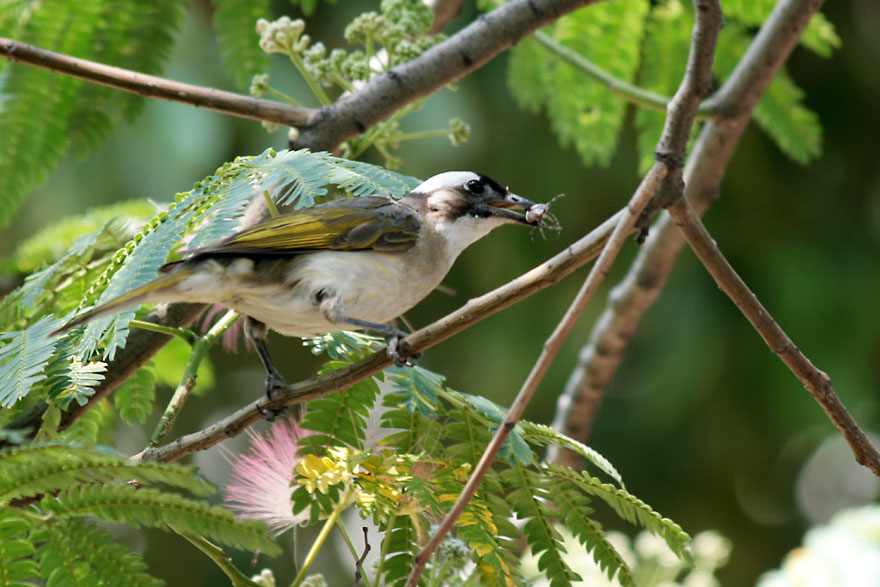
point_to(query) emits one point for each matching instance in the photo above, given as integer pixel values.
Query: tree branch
(816, 381)
(664, 176)
(544, 275)
(446, 62)
(149, 86)
(628, 301)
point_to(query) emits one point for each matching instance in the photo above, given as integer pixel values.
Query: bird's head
(463, 206)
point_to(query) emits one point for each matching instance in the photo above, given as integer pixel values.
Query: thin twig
(816, 381)
(628, 301)
(198, 353)
(149, 86)
(544, 275)
(220, 558)
(625, 226)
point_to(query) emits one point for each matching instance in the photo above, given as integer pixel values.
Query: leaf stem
(630, 92)
(184, 334)
(322, 537)
(386, 545)
(316, 88)
(220, 558)
(188, 380)
(270, 204)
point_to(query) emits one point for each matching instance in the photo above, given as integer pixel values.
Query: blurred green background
(703, 422)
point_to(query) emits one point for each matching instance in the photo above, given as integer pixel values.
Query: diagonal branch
(628, 301)
(661, 182)
(150, 86)
(816, 381)
(544, 275)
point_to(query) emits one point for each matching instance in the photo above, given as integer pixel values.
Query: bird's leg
(256, 332)
(331, 306)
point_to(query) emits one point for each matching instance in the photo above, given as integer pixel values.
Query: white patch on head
(447, 179)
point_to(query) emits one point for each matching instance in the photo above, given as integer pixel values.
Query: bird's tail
(134, 297)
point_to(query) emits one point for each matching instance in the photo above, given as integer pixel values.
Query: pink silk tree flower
(261, 478)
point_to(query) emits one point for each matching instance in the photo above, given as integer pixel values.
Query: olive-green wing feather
(372, 222)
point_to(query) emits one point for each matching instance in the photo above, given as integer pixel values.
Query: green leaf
(528, 499)
(794, 128)
(235, 21)
(339, 417)
(45, 113)
(781, 114)
(527, 74)
(48, 468)
(545, 435)
(582, 111)
(573, 508)
(154, 509)
(819, 36)
(627, 506)
(134, 398)
(76, 552)
(24, 357)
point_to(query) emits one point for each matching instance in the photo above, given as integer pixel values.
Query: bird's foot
(401, 352)
(274, 382)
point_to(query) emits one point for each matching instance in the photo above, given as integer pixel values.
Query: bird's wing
(371, 222)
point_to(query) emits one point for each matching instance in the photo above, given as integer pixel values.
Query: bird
(347, 264)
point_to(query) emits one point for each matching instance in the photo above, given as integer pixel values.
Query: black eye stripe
(494, 185)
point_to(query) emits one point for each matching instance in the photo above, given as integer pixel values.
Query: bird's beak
(505, 207)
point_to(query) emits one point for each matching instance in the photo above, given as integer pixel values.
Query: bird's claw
(274, 382)
(402, 354)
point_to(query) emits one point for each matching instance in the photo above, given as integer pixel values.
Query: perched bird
(348, 264)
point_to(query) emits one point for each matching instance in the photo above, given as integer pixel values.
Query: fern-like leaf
(339, 417)
(154, 509)
(582, 111)
(628, 507)
(235, 21)
(134, 399)
(781, 114)
(16, 551)
(573, 508)
(46, 468)
(527, 75)
(48, 113)
(529, 503)
(543, 435)
(23, 359)
(76, 552)
(819, 36)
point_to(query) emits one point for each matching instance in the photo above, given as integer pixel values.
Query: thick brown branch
(628, 301)
(544, 275)
(816, 382)
(446, 62)
(148, 86)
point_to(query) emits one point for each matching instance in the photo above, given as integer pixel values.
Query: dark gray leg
(256, 332)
